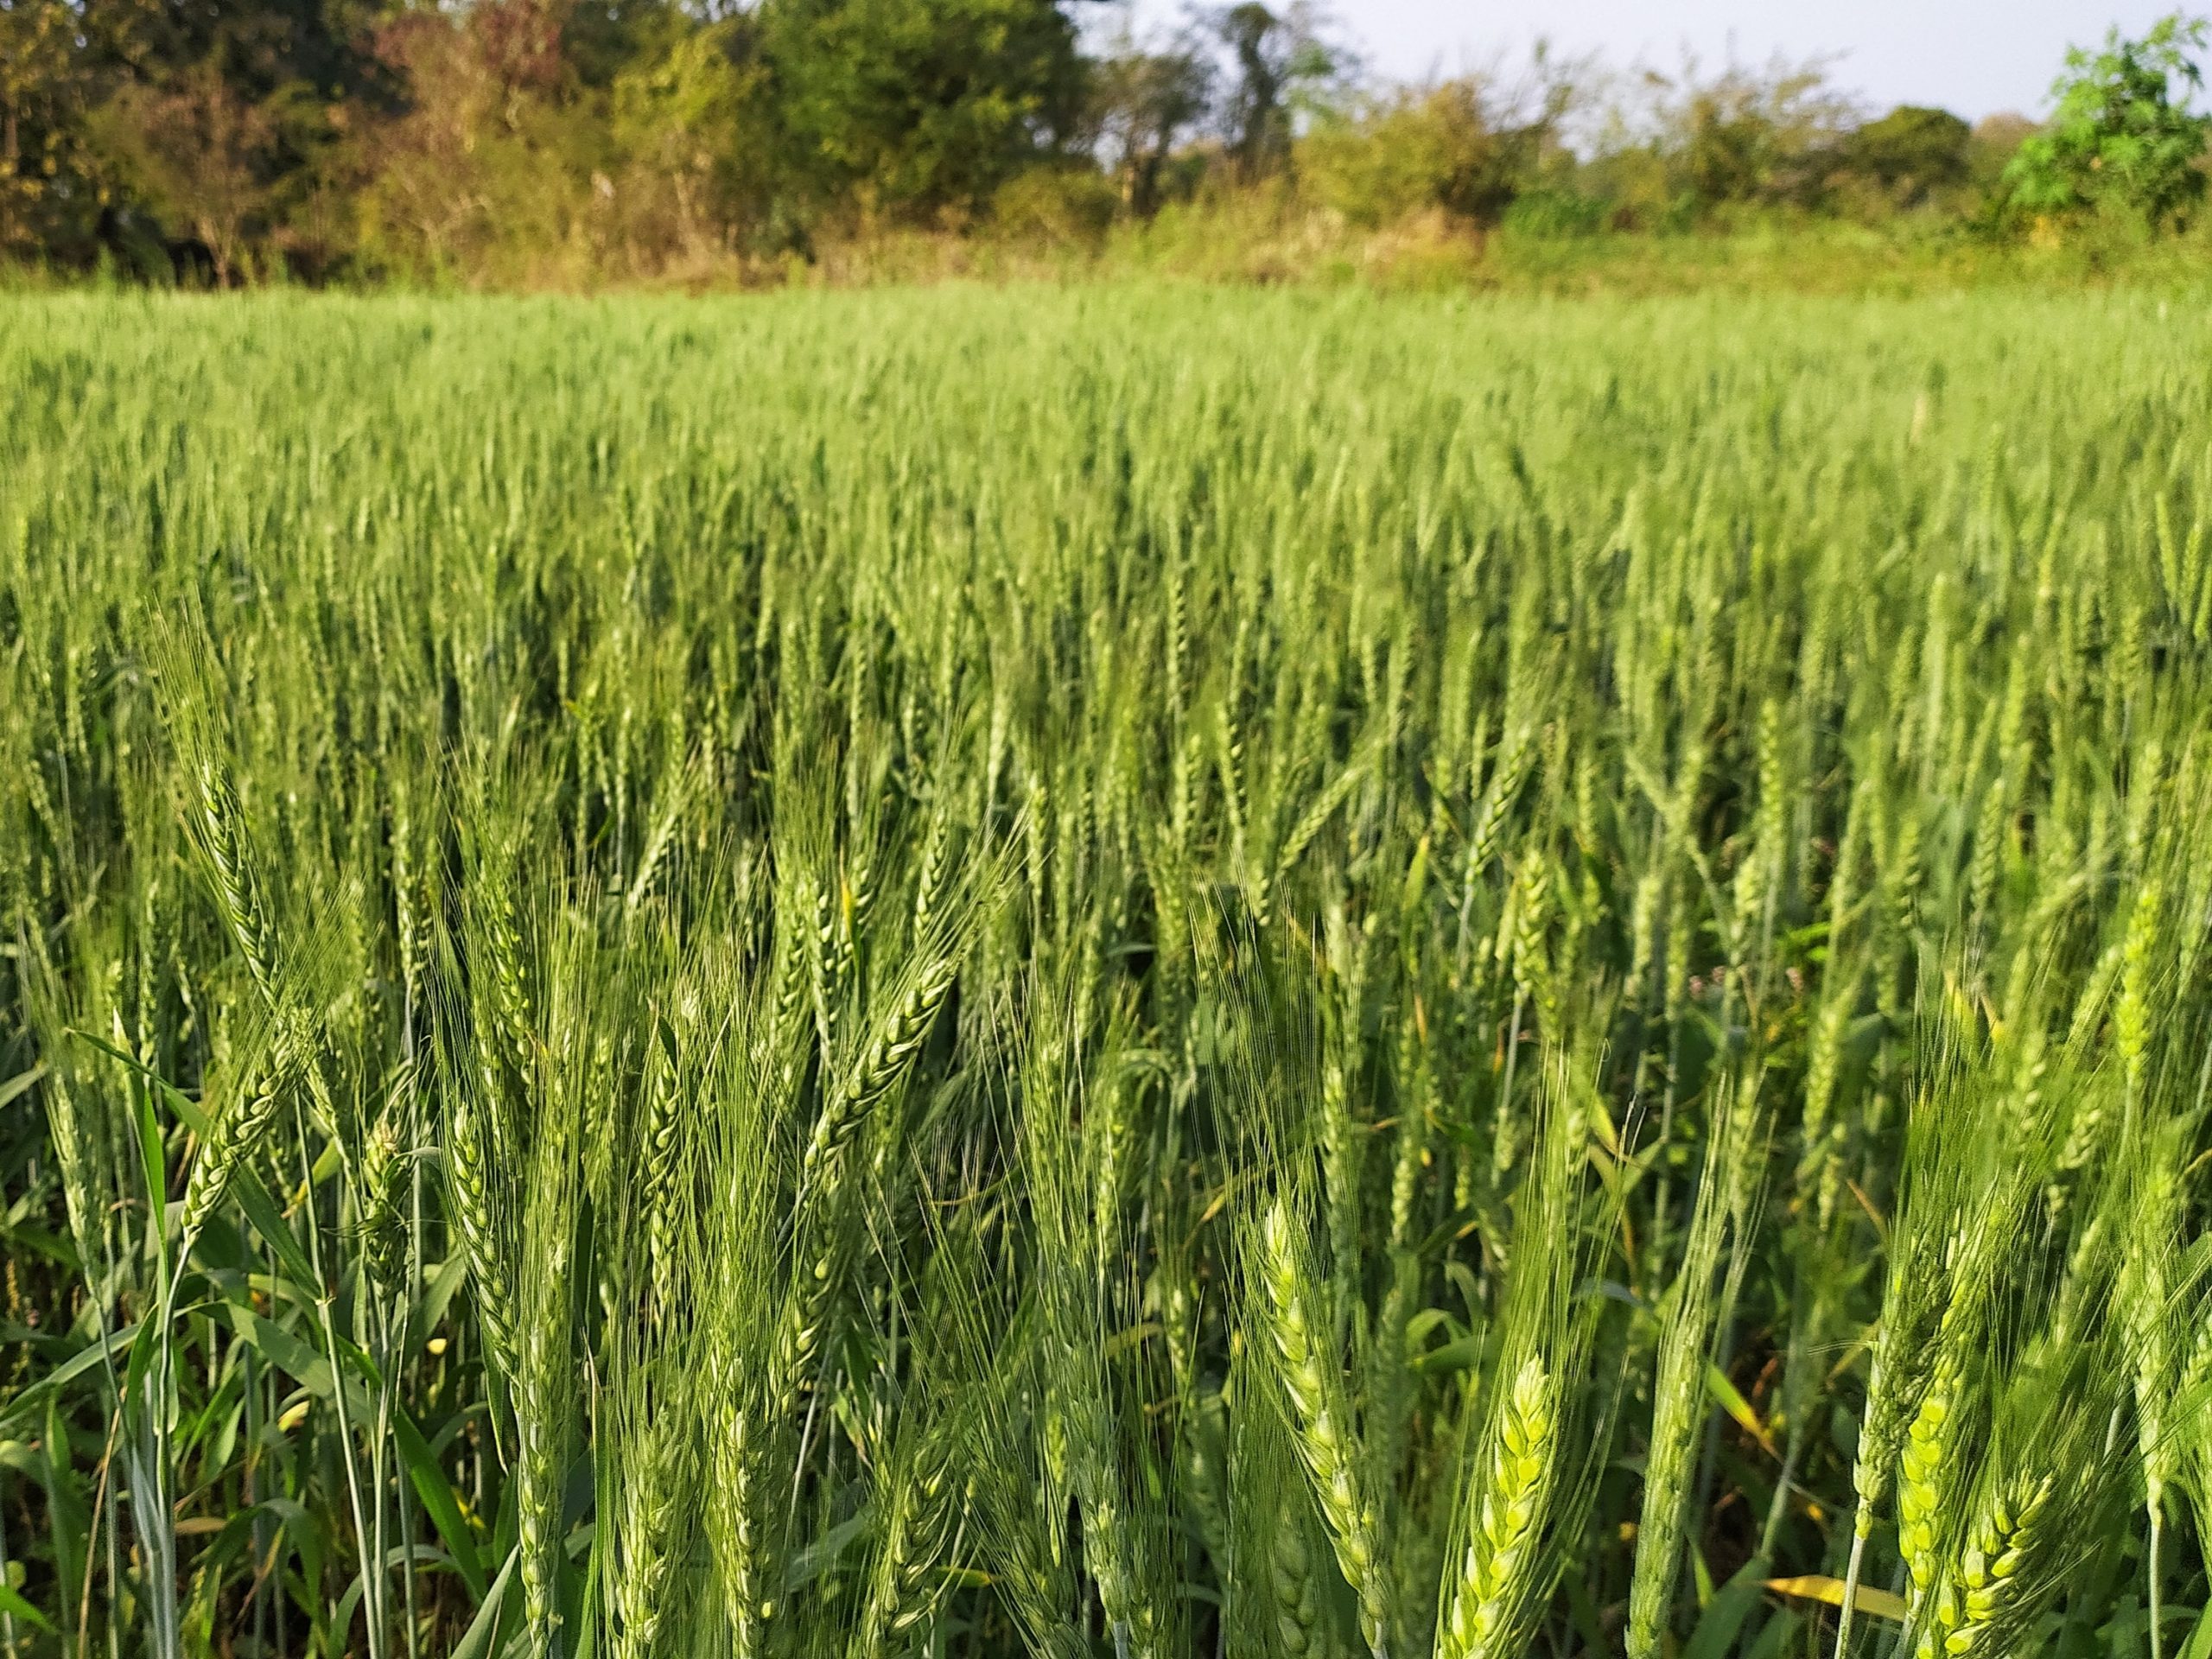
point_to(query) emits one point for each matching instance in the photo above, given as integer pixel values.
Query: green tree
(46, 82)
(126, 124)
(2120, 133)
(916, 108)
(1911, 152)
(200, 156)
(694, 126)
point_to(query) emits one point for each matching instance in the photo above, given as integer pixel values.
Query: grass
(1135, 971)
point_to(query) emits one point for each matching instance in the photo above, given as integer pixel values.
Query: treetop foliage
(2122, 131)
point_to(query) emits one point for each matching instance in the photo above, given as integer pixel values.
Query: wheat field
(1121, 971)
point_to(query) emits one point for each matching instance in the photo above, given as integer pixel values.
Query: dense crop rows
(1153, 974)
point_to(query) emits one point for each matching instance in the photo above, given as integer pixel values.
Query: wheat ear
(471, 1155)
(1502, 1540)
(1321, 1428)
(1925, 1472)
(238, 1133)
(1978, 1601)
(1679, 1387)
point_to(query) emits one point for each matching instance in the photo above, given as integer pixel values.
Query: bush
(1911, 152)
(1060, 205)
(1445, 149)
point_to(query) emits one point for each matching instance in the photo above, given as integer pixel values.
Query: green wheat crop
(1139, 972)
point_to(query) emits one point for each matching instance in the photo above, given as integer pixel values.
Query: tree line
(219, 141)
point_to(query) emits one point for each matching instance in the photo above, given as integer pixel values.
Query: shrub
(1447, 148)
(1911, 153)
(1058, 205)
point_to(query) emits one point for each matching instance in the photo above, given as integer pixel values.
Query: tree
(45, 83)
(494, 149)
(198, 155)
(2119, 134)
(1911, 152)
(916, 108)
(1995, 141)
(128, 124)
(694, 125)
(1143, 102)
(1278, 60)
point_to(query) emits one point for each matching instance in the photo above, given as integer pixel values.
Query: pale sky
(1971, 56)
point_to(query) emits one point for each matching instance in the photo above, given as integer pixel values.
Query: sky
(1975, 57)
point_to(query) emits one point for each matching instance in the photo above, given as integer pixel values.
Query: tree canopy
(2122, 132)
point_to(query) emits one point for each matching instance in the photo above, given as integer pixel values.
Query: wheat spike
(1321, 1428)
(1517, 1479)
